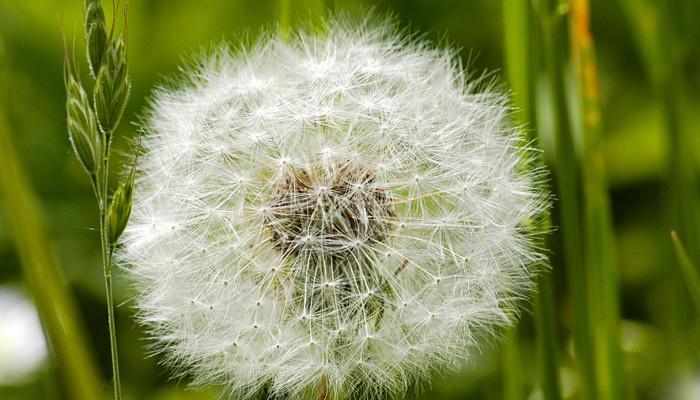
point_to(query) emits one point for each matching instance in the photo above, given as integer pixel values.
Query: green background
(636, 147)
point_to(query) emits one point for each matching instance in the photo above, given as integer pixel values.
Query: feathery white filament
(339, 213)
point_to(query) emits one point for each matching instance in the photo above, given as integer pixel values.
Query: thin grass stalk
(512, 367)
(520, 44)
(522, 66)
(567, 175)
(547, 339)
(600, 259)
(56, 307)
(107, 251)
(512, 363)
(108, 66)
(100, 187)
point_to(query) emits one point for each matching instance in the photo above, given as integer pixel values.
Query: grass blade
(689, 271)
(522, 67)
(547, 340)
(512, 367)
(567, 175)
(602, 283)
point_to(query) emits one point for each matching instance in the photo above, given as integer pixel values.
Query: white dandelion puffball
(329, 215)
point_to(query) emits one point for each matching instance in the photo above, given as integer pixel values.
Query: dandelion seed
(370, 180)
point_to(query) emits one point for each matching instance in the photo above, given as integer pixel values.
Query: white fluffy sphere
(329, 215)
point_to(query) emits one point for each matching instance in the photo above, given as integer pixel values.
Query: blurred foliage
(636, 150)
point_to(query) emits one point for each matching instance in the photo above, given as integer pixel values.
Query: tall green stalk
(552, 20)
(90, 128)
(512, 367)
(522, 67)
(601, 267)
(107, 251)
(547, 339)
(56, 307)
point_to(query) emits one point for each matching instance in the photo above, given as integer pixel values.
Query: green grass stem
(520, 44)
(547, 339)
(601, 266)
(101, 191)
(59, 317)
(551, 16)
(522, 67)
(512, 367)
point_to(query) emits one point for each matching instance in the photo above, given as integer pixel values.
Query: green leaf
(112, 87)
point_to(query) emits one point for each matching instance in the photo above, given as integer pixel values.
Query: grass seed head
(82, 125)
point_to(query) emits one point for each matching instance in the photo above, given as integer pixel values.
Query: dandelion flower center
(327, 211)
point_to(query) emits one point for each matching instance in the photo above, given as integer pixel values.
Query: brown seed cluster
(328, 211)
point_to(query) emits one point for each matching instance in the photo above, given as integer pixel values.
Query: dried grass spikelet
(335, 214)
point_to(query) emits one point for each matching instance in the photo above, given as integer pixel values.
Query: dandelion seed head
(340, 212)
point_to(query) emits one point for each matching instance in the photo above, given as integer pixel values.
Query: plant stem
(112, 327)
(547, 339)
(568, 176)
(522, 69)
(101, 192)
(521, 60)
(601, 267)
(512, 367)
